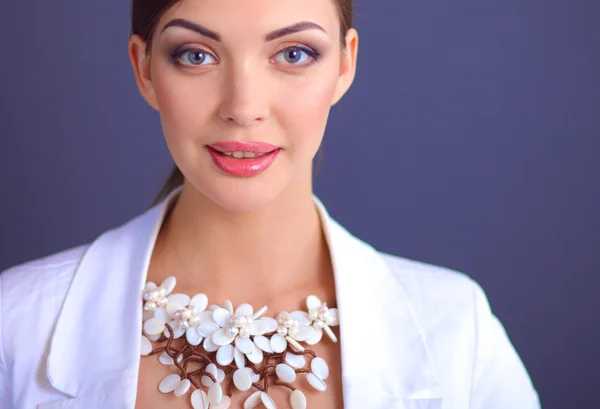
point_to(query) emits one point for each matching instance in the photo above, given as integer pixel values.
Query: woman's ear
(141, 69)
(347, 65)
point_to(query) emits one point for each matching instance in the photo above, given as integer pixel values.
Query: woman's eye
(193, 56)
(296, 55)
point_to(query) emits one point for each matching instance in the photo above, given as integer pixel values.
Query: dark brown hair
(145, 15)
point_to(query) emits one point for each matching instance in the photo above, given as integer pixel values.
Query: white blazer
(71, 322)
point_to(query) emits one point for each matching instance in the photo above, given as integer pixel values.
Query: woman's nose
(245, 98)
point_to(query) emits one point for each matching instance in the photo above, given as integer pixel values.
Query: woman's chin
(242, 196)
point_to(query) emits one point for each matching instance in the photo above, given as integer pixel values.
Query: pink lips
(244, 167)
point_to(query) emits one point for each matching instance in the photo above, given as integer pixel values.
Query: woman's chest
(152, 372)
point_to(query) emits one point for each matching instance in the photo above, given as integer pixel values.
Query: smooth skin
(256, 239)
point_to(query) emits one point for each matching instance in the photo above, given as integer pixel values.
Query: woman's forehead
(254, 15)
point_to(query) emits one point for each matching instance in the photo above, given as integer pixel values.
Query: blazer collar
(95, 348)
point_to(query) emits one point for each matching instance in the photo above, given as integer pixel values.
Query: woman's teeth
(242, 155)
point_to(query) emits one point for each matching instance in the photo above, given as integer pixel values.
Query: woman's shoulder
(432, 283)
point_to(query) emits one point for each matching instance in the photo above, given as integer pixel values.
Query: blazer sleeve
(4, 384)
(500, 380)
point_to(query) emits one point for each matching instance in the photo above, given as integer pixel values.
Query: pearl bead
(162, 303)
(232, 330)
(293, 332)
(318, 324)
(146, 296)
(313, 314)
(150, 306)
(249, 319)
(282, 331)
(289, 323)
(240, 321)
(245, 332)
(195, 320)
(282, 317)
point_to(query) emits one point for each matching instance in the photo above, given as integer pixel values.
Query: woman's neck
(244, 256)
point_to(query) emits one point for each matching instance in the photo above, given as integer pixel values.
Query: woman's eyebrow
(206, 32)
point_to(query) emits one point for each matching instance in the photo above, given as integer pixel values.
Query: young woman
(167, 310)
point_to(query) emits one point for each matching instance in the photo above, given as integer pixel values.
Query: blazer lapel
(385, 360)
(95, 348)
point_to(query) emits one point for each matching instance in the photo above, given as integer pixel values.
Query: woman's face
(238, 71)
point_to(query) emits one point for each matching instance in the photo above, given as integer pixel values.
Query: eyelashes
(294, 56)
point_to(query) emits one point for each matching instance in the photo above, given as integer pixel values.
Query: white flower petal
(149, 286)
(258, 327)
(168, 384)
(244, 309)
(295, 361)
(177, 330)
(193, 337)
(146, 346)
(199, 399)
(285, 372)
(183, 387)
(278, 343)
(242, 379)
(162, 314)
(298, 399)
(263, 343)
(206, 317)
(169, 284)
(225, 355)
(334, 318)
(207, 329)
(153, 338)
(221, 317)
(302, 317)
(253, 400)
(270, 324)
(206, 380)
(304, 332)
(267, 401)
(228, 305)
(182, 299)
(256, 356)
(313, 302)
(319, 367)
(222, 337)
(212, 369)
(316, 382)
(315, 337)
(239, 357)
(215, 394)
(199, 301)
(220, 375)
(209, 346)
(173, 308)
(165, 359)
(154, 326)
(244, 344)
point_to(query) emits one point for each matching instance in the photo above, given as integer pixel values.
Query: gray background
(469, 140)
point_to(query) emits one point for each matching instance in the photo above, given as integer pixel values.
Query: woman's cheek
(307, 112)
